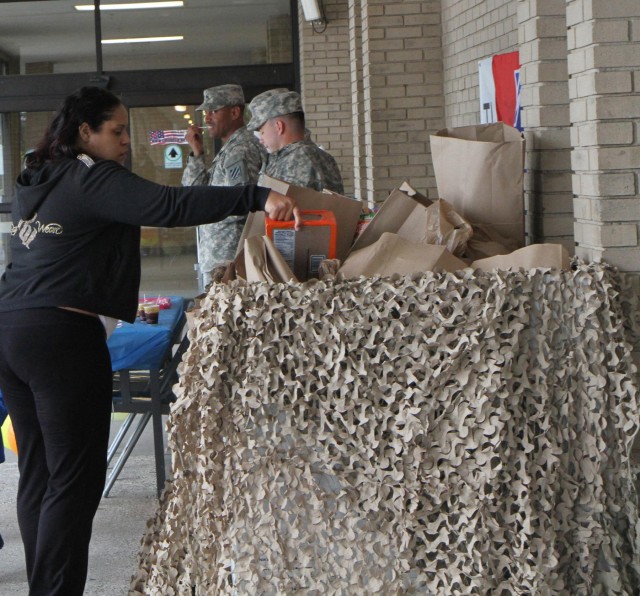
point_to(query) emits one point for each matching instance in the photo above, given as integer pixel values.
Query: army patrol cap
(273, 103)
(221, 96)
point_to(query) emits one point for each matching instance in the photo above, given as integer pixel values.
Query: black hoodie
(75, 234)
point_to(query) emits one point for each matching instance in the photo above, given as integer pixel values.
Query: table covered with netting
(458, 433)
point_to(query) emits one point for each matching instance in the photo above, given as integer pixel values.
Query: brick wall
(604, 89)
(393, 82)
(372, 89)
(385, 74)
(402, 82)
(472, 30)
(325, 66)
(545, 116)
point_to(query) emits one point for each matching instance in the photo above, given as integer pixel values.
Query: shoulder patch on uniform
(86, 160)
(237, 172)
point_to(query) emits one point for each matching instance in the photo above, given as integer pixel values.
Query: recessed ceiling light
(143, 39)
(180, 108)
(132, 5)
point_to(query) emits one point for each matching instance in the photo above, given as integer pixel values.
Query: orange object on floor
(8, 436)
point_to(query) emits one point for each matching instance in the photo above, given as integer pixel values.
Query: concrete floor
(118, 527)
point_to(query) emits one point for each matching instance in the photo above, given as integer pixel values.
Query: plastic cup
(152, 311)
(141, 312)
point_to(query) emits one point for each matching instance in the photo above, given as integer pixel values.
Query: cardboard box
(345, 210)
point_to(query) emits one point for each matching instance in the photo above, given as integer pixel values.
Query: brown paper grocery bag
(480, 171)
(403, 210)
(263, 261)
(546, 256)
(445, 226)
(393, 254)
(486, 242)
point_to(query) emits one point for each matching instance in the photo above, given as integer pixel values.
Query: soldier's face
(268, 136)
(219, 122)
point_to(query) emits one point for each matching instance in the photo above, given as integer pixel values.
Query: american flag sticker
(167, 137)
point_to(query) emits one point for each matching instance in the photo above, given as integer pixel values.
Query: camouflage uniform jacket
(238, 162)
(303, 163)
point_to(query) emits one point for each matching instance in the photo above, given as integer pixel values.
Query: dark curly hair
(92, 105)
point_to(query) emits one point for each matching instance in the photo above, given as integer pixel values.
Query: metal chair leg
(115, 444)
(124, 456)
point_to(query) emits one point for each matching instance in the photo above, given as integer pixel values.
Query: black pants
(55, 375)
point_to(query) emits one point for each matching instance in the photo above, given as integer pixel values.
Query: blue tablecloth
(140, 346)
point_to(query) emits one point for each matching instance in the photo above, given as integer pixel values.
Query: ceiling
(216, 33)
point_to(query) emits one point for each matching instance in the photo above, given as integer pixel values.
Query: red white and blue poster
(499, 78)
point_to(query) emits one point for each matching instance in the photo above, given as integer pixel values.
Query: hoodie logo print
(28, 230)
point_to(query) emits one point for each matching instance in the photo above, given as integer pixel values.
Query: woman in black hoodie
(75, 270)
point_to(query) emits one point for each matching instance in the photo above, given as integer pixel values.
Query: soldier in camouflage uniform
(238, 162)
(278, 120)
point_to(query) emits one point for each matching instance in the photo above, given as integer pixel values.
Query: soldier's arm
(195, 174)
(333, 179)
(329, 172)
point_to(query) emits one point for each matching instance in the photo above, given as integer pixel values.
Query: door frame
(141, 88)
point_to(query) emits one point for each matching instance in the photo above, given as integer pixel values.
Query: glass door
(168, 254)
(153, 59)
(159, 153)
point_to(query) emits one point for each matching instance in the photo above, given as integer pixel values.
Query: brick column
(403, 99)
(604, 70)
(326, 85)
(545, 116)
(357, 98)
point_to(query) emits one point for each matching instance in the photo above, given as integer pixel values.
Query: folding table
(144, 360)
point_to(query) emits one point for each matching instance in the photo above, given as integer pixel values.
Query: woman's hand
(280, 207)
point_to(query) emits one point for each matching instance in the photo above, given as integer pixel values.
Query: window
(244, 41)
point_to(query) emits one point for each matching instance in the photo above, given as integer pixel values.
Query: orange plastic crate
(305, 249)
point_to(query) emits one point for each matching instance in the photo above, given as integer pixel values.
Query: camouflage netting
(445, 434)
